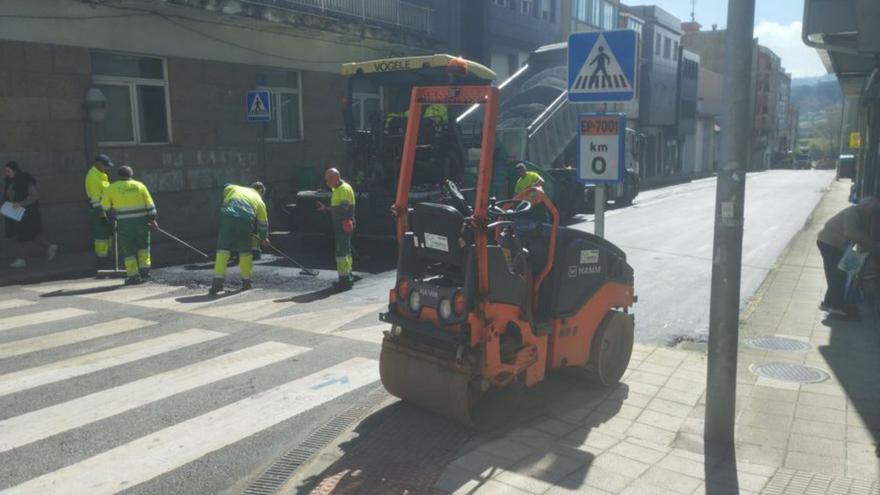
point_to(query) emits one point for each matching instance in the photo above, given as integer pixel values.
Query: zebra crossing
(213, 385)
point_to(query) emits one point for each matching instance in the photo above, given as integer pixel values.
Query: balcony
(386, 12)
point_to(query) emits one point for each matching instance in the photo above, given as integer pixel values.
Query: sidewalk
(82, 264)
(647, 436)
(808, 430)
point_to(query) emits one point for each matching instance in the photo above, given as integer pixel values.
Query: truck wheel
(612, 347)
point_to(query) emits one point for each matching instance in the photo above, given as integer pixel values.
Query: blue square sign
(259, 106)
(602, 66)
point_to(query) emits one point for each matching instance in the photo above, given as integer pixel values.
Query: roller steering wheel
(509, 208)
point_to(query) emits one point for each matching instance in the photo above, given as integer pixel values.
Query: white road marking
(44, 423)
(96, 361)
(247, 311)
(15, 303)
(368, 334)
(143, 459)
(188, 302)
(41, 317)
(74, 285)
(326, 321)
(128, 294)
(43, 342)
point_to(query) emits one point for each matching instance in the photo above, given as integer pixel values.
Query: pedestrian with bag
(852, 226)
(20, 191)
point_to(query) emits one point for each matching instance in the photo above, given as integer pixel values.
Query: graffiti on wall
(198, 169)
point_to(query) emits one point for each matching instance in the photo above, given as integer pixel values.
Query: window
(503, 3)
(366, 104)
(634, 25)
(527, 6)
(658, 41)
(609, 15)
(582, 10)
(675, 50)
(286, 124)
(136, 91)
(667, 48)
(596, 12)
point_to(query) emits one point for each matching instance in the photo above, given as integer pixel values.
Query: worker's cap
(102, 158)
(520, 166)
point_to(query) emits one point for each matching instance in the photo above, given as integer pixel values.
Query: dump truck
(487, 296)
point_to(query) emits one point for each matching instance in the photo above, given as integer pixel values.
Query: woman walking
(20, 189)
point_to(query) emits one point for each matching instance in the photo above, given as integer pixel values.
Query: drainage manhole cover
(778, 344)
(790, 372)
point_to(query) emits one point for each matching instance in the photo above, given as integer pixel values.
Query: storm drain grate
(790, 372)
(778, 344)
(281, 471)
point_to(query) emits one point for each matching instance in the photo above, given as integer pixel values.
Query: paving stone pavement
(646, 436)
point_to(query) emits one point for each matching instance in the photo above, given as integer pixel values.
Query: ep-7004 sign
(600, 147)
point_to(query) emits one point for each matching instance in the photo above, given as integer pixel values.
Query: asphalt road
(668, 235)
(158, 389)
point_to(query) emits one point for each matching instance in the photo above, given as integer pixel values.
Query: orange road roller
(491, 295)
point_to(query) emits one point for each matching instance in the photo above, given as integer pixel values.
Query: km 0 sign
(600, 147)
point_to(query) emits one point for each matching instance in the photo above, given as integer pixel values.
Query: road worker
(526, 179)
(342, 206)
(97, 181)
(243, 220)
(131, 206)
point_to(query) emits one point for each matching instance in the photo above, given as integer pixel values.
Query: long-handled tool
(116, 272)
(303, 270)
(181, 241)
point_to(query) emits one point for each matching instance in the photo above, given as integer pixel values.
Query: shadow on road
(405, 449)
(83, 292)
(853, 354)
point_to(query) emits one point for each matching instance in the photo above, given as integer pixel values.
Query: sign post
(601, 69)
(600, 156)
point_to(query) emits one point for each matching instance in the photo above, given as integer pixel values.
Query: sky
(777, 26)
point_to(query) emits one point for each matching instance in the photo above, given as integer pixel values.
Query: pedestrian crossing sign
(259, 106)
(602, 66)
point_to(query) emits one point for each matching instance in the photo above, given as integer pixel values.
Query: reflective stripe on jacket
(342, 201)
(128, 199)
(247, 204)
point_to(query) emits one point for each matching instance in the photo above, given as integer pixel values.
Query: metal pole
(729, 202)
(599, 209)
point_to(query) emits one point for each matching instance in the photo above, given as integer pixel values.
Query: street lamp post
(729, 202)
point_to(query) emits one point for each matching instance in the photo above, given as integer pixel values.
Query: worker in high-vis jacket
(131, 206)
(243, 219)
(526, 179)
(342, 205)
(97, 181)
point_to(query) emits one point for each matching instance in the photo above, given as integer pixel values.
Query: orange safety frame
(453, 95)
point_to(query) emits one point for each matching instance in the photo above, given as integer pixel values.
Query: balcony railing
(388, 12)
